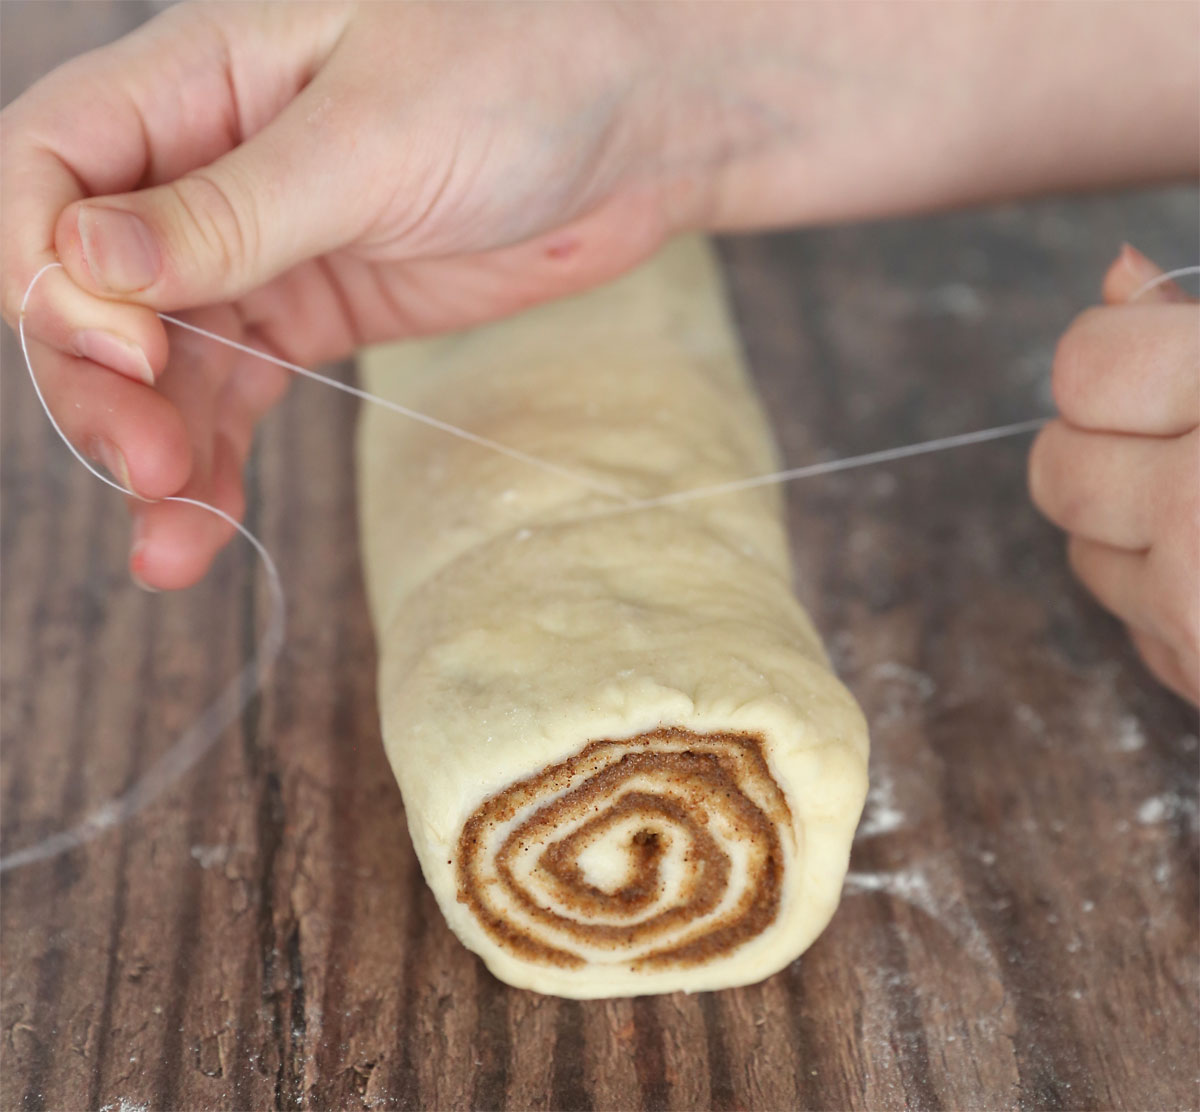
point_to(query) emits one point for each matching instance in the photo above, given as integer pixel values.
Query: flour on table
(1029, 718)
(1164, 808)
(922, 684)
(881, 815)
(1129, 736)
(208, 857)
(928, 887)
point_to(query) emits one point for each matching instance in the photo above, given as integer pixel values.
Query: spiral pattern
(665, 849)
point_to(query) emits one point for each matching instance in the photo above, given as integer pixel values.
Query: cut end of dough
(659, 852)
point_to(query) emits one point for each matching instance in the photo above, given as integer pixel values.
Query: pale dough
(520, 621)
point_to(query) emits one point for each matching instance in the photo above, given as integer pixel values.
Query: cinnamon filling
(698, 799)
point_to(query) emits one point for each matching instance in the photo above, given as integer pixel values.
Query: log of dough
(626, 764)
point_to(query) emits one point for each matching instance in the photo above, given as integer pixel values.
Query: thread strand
(412, 414)
(1162, 280)
(848, 463)
(198, 738)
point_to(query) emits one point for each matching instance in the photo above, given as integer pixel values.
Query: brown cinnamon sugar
(701, 775)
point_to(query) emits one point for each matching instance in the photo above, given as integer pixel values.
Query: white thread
(203, 733)
(1163, 279)
(849, 463)
(885, 455)
(198, 738)
(424, 418)
(631, 504)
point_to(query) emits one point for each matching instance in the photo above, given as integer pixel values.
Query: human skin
(1120, 469)
(323, 176)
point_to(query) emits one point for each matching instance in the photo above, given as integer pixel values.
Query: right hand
(322, 176)
(1118, 469)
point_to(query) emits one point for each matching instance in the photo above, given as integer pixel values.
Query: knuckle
(1184, 624)
(1042, 488)
(222, 224)
(11, 294)
(1182, 478)
(1081, 559)
(1075, 557)
(1157, 656)
(1176, 498)
(1073, 371)
(1187, 521)
(1175, 601)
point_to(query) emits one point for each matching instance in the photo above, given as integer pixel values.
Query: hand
(326, 176)
(1120, 471)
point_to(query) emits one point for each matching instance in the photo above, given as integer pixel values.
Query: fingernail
(137, 557)
(114, 351)
(118, 248)
(1143, 272)
(110, 456)
(1137, 264)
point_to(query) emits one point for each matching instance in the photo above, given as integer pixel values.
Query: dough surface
(626, 764)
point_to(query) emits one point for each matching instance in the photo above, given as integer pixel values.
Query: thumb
(1128, 277)
(223, 229)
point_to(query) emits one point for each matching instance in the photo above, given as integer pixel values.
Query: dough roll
(626, 764)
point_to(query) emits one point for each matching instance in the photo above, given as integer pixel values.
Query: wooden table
(1019, 925)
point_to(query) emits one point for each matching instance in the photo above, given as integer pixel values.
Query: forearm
(781, 113)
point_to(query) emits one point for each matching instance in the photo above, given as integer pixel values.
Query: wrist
(715, 103)
(766, 114)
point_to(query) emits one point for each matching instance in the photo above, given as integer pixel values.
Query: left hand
(1120, 469)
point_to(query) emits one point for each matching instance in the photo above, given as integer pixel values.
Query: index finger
(1131, 369)
(83, 131)
(175, 95)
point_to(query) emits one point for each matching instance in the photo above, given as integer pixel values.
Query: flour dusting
(1164, 808)
(1154, 810)
(209, 856)
(922, 684)
(880, 815)
(1030, 720)
(901, 691)
(929, 890)
(1130, 736)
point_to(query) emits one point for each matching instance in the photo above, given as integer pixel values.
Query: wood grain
(1019, 928)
